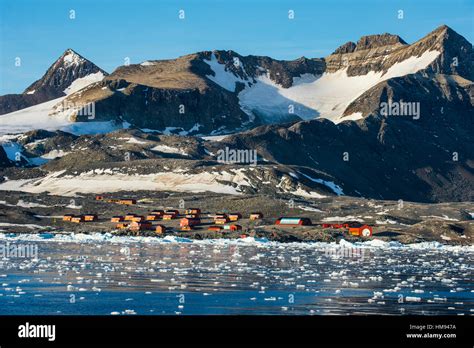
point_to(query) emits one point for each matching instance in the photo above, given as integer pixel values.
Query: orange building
(68, 217)
(160, 229)
(138, 218)
(116, 219)
(129, 217)
(153, 217)
(256, 216)
(221, 221)
(235, 216)
(90, 217)
(127, 201)
(77, 219)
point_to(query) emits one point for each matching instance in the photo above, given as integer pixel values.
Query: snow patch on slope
(215, 137)
(38, 117)
(147, 63)
(225, 79)
(34, 117)
(54, 154)
(169, 149)
(303, 193)
(82, 82)
(335, 188)
(133, 140)
(90, 182)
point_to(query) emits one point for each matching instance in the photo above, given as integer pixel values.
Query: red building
(291, 221)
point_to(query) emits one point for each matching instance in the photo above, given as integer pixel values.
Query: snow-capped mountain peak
(67, 74)
(71, 58)
(67, 68)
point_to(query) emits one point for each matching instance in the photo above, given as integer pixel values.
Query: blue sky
(107, 31)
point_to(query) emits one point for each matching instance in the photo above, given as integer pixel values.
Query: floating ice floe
(261, 242)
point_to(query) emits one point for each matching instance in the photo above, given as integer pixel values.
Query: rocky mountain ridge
(378, 119)
(69, 67)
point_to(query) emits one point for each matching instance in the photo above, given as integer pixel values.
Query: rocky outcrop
(375, 41)
(181, 111)
(435, 95)
(369, 54)
(457, 54)
(348, 47)
(281, 72)
(380, 52)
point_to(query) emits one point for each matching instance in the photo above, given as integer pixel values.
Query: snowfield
(326, 95)
(224, 78)
(169, 149)
(335, 188)
(84, 82)
(303, 193)
(38, 116)
(99, 182)
(108, 180)
(34, 117)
